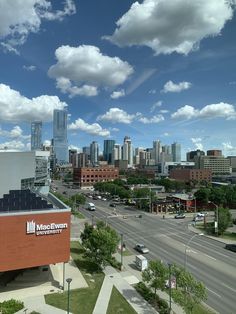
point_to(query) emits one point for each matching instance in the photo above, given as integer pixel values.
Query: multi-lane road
(166, 239)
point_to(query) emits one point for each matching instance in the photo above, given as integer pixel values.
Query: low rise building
(191, 175)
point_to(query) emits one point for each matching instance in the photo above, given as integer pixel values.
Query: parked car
(141, 248)
(231, 247)
(180, 216)
(112, 205)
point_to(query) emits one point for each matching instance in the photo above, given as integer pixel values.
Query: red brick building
(191, 175)
(90, 175)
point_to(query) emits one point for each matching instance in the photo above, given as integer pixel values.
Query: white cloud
(47, 143)
(155, 119)
(116, 115)
(118, 94)
(152, 91)
(82, 70)
(185, 112)
(20, 18)
(157, 104)
(171, 87)
(16, 107)
(164, 111)
(228, 148)
(171, 26)
(166, 134)
(93, 129)
(29, 67)
(197, 141)
(13, 145)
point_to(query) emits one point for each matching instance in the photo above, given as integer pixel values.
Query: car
(112, 205)
(180, 216)
(141, 248)
(104, 199)
(231, 247)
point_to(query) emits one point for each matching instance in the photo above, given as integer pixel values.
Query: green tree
(79, 199)
(100, 242)
(155, 276)
(224, 219)
(203, 195)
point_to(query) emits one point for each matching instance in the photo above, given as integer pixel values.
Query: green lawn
(229, 235)
(81, 300)
(118, 304)
(201, 309)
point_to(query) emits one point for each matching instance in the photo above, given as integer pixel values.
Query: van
(141, 262)
(90, 206)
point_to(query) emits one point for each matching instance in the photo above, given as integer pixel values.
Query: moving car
(231, 247)
(90, 206)
(180, 216)
(141, 248)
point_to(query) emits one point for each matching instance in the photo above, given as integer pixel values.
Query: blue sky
(153, 69)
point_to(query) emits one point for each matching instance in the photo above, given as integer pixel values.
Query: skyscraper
(36, 135)
(128, 151)
(94, 153)
(108, 149)
(156, 151)
(60, 143)
(176, 152)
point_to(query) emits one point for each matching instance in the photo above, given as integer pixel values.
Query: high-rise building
(60, 143)
(127, 153)
(94, 153)
(156, 151)
(116, 153)
(176, 152)
(214, 152)
(108, 149)
(36, 135)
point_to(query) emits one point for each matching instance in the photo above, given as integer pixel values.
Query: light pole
(68, 280)
(187, 246)
(216, 217)
(169, 264)
(121, 251)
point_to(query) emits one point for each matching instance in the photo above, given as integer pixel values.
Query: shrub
(11, 306)
(144, 291)
(114, 263)
(178, 297)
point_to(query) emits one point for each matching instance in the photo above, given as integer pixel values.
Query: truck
(141, 262)
(90, 206)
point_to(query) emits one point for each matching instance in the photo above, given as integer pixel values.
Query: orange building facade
(31, 239)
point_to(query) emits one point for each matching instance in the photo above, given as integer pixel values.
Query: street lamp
(68, 280)
(187, 246)
(169, 265)
(216, 216)
(121, 251)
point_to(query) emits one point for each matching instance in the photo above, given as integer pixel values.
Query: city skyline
(114, 79)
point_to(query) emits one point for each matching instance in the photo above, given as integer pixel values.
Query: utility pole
(121, 251)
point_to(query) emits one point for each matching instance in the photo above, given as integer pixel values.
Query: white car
(141, 248)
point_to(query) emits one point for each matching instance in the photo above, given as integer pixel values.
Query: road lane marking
(223, 284)
(210, 257)
(214, 292)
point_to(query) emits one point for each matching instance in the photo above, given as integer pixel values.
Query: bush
(11, 306)
(114, 263)
(144, 291)
(234, 221)
(178, 297)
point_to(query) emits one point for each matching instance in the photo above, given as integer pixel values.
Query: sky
(152, 70)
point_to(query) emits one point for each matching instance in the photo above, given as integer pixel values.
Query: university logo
(30, 227)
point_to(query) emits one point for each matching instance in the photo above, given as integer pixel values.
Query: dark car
(112, 205)
(141, 248)
(231, 247)
(180, 216)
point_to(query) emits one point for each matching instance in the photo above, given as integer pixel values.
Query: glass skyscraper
(36, 135)
(108, 149)
(60, 143)
(94, 153)
(176, 152)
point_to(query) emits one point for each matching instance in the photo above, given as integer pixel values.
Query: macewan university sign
(44, 229)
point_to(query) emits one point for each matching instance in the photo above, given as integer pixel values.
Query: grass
(78, 214)
(201, 309)
(125, 252)
(229, 235)
(81, 300)
(118, 304)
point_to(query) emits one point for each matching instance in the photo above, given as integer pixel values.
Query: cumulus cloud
(171, 26)
(155, 119)
(118, 94)
(20, 18)
(171, 87)
(82, 70)
(116, 115)
(157, 104)
(29, 67)
(152, 91)
(93, 129)
(220, 110)
(15, 107)
(197, 141)
(13, 145)
(47, 143)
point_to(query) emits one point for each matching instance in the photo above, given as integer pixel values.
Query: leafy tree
(155, 276)
(203, 195)
(100, 242)
(80, 199)
(224, 219)
(142, 193)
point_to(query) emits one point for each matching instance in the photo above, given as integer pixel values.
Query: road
(166, 239)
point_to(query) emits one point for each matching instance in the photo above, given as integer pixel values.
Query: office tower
(214, 152)
(36, 135)
(94, 153)
(107, 150)
(156, 152)
(176, 152)
(116, 153)
(60, 144)
(128, 151)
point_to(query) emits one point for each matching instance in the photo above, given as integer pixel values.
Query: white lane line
(214, 292)
(223, 284)
(210, 257)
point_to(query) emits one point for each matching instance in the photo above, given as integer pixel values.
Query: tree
(202, 195)
(100, 242)
(80, 199)
(224, 219)
(155, 276)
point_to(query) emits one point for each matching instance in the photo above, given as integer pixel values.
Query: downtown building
(60, 143)
(36, 135)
